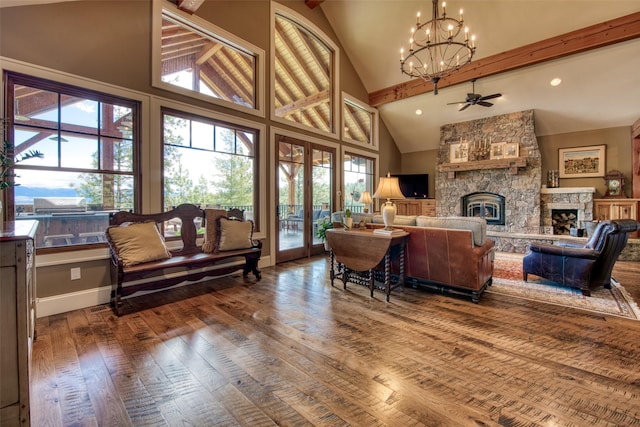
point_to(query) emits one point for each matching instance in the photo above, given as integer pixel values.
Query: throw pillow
(234, 234)
(211, 234)
(136, 243)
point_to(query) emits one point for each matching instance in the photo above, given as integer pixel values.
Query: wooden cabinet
(604, 209)
(426, 207)
(17, 315)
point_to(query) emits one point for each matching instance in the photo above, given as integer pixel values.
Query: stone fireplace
(520, 187)
(565, 200)
(526, 211)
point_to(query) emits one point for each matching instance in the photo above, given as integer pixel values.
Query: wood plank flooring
(291, 350)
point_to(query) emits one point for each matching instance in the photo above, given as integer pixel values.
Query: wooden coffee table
(355, 253)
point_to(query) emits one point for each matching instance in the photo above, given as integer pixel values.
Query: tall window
(209, 163)
(193, 55)
(87, 168)
(359, 122)
(305, 73)
(358, 178)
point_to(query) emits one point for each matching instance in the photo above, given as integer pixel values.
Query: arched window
(304, 74)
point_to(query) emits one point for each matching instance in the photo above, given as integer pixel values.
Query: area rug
(507, 280)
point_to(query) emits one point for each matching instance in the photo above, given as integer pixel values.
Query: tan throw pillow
(137, 243)
(234, 234)
(211, 233)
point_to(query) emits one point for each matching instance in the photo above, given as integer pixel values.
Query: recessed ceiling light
(418, 112)
(556, 81)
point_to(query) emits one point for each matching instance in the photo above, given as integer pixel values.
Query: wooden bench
(186, 263)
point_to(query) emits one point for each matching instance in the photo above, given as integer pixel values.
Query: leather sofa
(450, 255)
(586, 267)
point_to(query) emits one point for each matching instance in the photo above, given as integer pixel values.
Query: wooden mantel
(511, 164)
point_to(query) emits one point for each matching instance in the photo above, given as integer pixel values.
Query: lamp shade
(388, 188)
(365, 198)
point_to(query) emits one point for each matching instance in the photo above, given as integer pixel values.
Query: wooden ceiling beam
(595, 36)
(311, 4)
(303, 104)
(207, 52)
(189, 6)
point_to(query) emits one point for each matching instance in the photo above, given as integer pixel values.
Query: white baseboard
(63, 303)
(72, 301)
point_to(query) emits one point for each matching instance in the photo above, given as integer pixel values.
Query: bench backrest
(187, 214)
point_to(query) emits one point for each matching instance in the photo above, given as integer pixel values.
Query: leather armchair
(587, 267)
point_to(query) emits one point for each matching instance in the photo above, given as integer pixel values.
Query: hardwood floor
(292, 350)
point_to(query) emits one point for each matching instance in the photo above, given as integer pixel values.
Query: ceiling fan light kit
(435, 50)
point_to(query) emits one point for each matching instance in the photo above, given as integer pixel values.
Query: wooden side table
(358, 252)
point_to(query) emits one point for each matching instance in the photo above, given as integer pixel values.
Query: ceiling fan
(476, 98)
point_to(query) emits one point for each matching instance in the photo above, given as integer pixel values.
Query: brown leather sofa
(450, 255)
(586, 267)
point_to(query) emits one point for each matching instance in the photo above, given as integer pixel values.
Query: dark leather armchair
(586, 267)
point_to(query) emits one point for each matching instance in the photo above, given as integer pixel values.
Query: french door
(305, 185)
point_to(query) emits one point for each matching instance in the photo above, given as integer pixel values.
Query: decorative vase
(348, 222)
(388, 214)
(553, 179)
(327, 248)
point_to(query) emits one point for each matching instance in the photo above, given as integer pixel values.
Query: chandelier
(435, 50)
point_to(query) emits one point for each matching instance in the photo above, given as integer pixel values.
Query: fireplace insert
(489, 206)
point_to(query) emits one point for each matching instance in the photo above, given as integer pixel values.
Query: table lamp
(388, 188)
(366, 200)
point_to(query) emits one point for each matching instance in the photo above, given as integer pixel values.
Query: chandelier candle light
(388, 188)
(435, 50)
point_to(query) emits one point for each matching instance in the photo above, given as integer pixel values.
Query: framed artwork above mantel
(582, 162)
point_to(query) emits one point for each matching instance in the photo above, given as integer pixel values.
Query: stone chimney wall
(522, 190)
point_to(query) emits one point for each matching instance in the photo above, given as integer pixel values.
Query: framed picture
(511, 150)
(582, 162)
(459, 152)
(497, 150)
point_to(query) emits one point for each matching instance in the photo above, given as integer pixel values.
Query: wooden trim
(588, 38)
(635, 129)
(635, 171)
(311, 4)
(189, 6)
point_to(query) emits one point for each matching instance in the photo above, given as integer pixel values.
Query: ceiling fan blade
(495, 95)
(459, 102)
(465, 107)
(485, 104)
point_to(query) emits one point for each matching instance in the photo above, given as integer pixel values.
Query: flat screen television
(414, 186)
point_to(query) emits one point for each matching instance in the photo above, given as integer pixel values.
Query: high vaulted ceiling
(600, 88)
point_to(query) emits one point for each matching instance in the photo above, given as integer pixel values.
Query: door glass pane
(291, 196)
(321, 189)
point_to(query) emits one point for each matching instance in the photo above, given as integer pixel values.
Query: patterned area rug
(507, 280)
